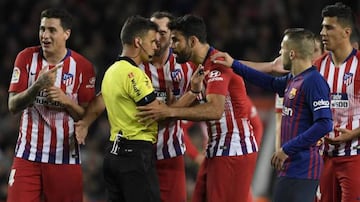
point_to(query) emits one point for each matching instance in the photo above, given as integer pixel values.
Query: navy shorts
(295, 190)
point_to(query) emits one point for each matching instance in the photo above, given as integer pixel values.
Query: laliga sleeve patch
(15, 75)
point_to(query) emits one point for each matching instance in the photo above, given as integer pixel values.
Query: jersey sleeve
(265, 81)
(139, 86)
(318, 96)
(20, 74)
(87, 87)
(218, 80)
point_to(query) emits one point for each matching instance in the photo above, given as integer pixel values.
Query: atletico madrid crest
(348, 78)
(68, 79)
(176, 75)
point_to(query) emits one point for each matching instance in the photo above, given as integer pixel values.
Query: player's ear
(193, 41)
(291, 54)
(347, 32)
(137, 42)
(67, 34)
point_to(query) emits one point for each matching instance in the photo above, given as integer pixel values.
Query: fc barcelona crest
(292, 93)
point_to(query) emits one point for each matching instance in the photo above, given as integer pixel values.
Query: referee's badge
(292, 93)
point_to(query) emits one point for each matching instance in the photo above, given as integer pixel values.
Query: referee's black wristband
(195, 92)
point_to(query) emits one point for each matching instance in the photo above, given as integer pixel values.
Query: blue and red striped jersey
(306, 117)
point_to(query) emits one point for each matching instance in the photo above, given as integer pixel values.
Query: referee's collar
(127, 59)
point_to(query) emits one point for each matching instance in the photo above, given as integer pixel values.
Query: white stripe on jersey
(342, 116)
(46, 145)
(33, 143)
(59, 135)
(247, 135)
(235, 145)
(173, 129)
(170, 141)
(222, 136)
(21, 148)
(41, 117)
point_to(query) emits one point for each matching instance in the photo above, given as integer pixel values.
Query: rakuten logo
(320, 104)
(287, 111)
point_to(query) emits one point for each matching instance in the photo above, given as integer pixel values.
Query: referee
(129, 162)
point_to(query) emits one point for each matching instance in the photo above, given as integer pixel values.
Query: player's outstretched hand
(222, 58)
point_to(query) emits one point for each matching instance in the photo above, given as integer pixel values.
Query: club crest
(176, 75)
(292, 93)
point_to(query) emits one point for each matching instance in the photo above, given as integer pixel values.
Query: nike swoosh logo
(32, 74)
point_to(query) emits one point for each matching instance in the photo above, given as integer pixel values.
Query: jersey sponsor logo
(161, 95)
(135, 88)
(176, 75)
(131, 75)
(214, 75)
(339, 101)
(92, 80)
(68, 79)
(148, 84)
(292, 93)
(287, 111)
(321, 104)
(41, 99)
(15, 75)
(348, 78)
(91, 84)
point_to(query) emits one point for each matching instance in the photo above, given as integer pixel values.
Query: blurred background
(247, 29)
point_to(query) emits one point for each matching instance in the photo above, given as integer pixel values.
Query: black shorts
(130, 174)
(295, 190)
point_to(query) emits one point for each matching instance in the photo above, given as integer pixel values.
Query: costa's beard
(183, 56)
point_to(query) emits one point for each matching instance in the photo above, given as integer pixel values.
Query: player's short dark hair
(190, 25)
(64, 16)
(136, 26)
(343, 13)
(302, 40)
(163, 14)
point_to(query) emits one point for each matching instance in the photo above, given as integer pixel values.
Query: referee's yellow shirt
(123, 86)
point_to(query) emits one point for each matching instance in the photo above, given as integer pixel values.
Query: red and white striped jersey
(170, 142)
(233, 134)
(46, 132)
(344, 82)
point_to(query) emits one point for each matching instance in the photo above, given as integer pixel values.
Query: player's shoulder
(80, 58)
(319, 60)
(216, 65)
(29, 51)
(357, 54)
(313, 77)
